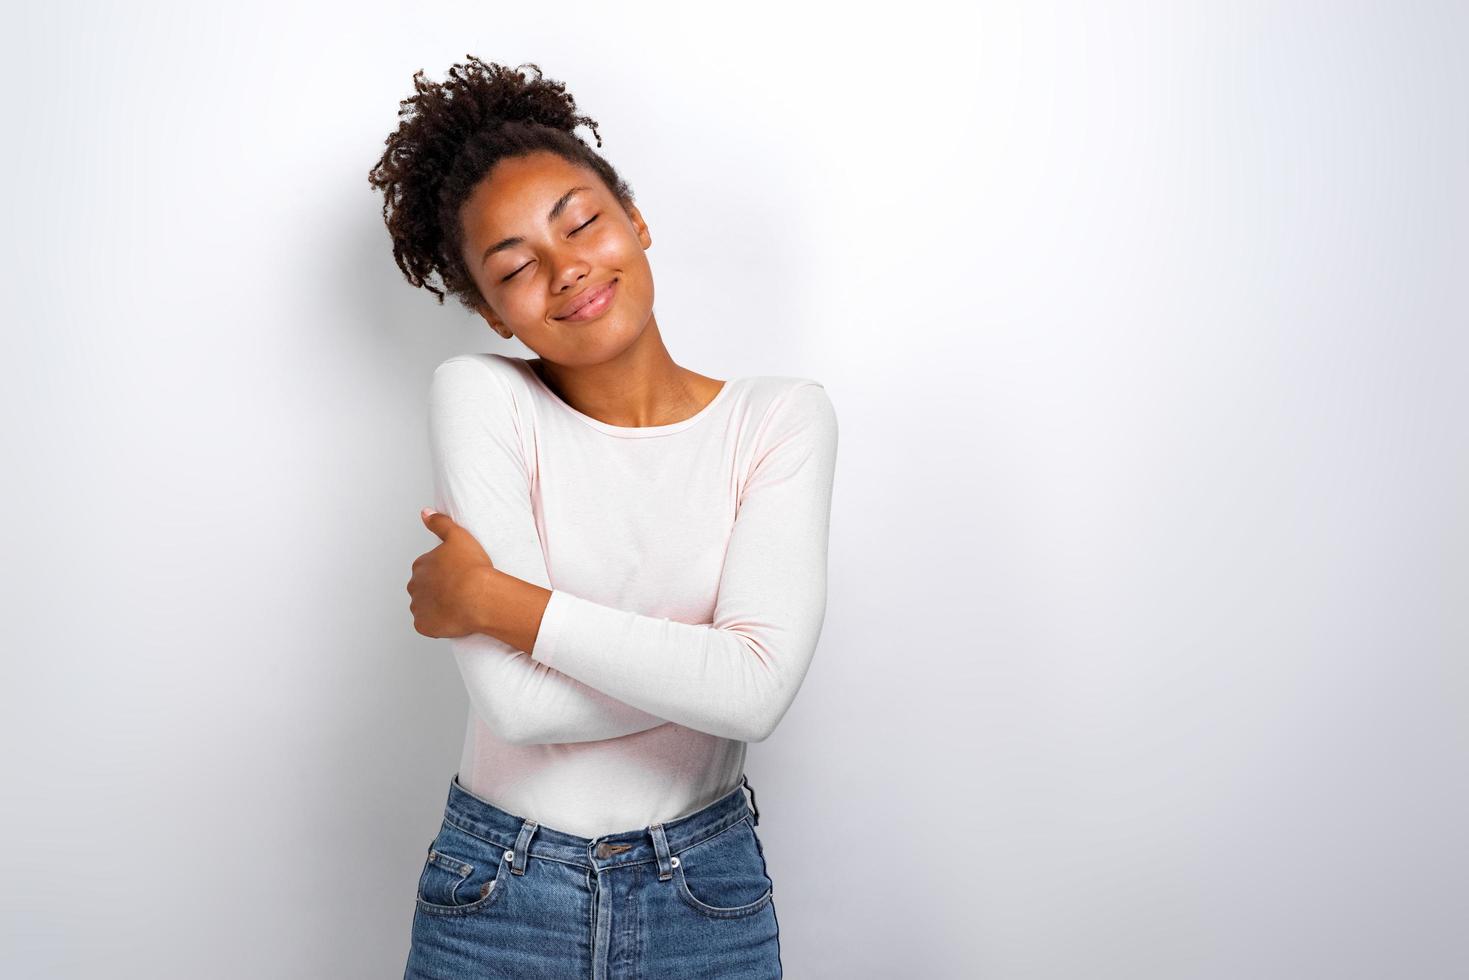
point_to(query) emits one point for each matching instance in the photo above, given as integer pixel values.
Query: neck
(641, 386)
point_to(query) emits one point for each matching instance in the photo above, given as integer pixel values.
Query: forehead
(513, 198)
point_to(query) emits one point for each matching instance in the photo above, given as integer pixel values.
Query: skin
(614, 368)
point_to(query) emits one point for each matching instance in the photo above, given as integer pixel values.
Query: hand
(448, 582)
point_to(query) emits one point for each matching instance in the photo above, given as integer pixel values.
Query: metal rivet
(673, 861)
(465, 869)
(432, 855)
(510, 855)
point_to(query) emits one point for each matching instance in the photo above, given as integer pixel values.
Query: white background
(1145, 655)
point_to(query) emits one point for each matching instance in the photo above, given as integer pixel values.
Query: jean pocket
(724, 877)
(461, 874)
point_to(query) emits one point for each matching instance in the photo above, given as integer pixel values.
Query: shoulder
(787, 392)
(482, 379)
(793, 407)
(480, 392)
(796, 397)
(481, 368)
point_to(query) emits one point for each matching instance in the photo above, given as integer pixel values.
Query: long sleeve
(482, 482)
(737, 676)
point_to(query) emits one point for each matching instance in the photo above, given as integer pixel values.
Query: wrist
(508, 608)
(484, 600)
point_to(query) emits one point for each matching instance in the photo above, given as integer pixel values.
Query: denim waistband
(511, 831)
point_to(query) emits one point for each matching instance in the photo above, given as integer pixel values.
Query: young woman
(632, 567)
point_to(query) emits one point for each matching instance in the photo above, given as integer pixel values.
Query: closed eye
(573, 232)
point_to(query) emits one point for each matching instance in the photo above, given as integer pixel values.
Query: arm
(482, 483)
(737, 676)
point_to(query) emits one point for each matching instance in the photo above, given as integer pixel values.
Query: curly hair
(450, 135)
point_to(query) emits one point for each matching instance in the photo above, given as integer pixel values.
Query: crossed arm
(595, 672)
(481, 482)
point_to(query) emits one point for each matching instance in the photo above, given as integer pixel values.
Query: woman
(632, 565)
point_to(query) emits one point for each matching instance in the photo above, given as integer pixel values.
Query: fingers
(440, 524)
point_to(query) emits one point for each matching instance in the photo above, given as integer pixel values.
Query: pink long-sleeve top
(687, 566)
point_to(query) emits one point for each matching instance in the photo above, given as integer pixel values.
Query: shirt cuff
(543, 650)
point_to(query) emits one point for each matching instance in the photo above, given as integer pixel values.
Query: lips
(592, 302)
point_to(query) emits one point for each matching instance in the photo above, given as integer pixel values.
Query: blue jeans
(502, 896)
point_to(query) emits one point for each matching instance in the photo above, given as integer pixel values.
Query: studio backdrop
(1144, 650)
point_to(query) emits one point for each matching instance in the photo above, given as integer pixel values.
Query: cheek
(516, 306)
(633, 263)
(614, 252)
(620, 243)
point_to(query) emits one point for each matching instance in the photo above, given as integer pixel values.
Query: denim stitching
(431, 908)
(716, 911)
(577, 864)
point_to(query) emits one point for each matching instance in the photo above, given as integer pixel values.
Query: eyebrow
(551, 216)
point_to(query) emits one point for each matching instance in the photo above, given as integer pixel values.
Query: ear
(489, 317)
(639, 225)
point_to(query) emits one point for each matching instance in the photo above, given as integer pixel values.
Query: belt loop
(744, 781)
(660, 847)
(522, 844)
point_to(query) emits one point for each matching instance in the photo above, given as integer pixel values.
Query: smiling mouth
(598, 304)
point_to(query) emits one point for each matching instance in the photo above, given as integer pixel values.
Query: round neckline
(628, 431)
